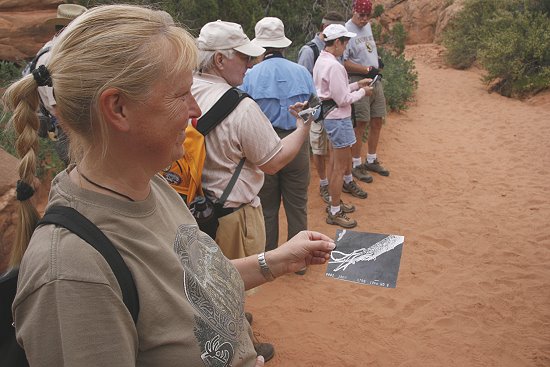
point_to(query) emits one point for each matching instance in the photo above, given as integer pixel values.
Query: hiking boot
(341, 219)
(265, 349)
(248, 317)
(360, 173)
(376, 167)
(353, 189)
(346, 208)
(323, 190)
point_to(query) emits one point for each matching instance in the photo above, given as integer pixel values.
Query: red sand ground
(470, 191)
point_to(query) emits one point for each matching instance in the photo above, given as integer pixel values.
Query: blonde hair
(126, 47)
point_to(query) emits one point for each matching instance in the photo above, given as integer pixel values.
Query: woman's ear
(113, 106)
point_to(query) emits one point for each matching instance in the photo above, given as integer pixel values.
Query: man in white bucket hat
(276, 84)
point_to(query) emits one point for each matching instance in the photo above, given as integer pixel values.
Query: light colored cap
(334, 31)
(65, 14)
(270, 32)
(220, 35)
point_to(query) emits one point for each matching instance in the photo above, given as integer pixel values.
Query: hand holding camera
(309, 110)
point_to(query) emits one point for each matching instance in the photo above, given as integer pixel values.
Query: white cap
(220, 35)
(270, 32)
(334, 31)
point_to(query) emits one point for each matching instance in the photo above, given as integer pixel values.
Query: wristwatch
(264, 268)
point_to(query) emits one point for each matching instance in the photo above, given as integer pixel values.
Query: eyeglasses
(362, 15)
(245, 57)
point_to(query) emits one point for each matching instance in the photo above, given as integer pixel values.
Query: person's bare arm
(291, 146)
(304, 249)
(352, 67)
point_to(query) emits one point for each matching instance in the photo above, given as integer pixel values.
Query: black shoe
(265, 350)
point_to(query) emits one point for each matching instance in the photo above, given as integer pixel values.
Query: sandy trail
(470, 191)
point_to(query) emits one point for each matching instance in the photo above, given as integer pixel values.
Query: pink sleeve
(340, 89)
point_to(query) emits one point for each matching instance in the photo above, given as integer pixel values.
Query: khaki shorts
(318, 139)
(370, 106)
(242, 233)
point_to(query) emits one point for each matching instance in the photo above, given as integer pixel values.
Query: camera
(314, 104)
(309, 113)
(374, 80)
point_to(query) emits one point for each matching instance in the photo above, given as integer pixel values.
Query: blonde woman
(121, 77)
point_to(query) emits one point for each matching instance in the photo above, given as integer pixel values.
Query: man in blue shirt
(275, 84)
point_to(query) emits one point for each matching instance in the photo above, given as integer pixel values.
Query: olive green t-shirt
(69, 310)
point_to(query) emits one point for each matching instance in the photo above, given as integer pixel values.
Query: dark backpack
(315, 49)
(48, 122)
(12, 354)
(32, 65)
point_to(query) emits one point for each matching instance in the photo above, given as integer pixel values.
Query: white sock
(355, 162)
(334, 209)
(348, 178)
(371, 157)
(323, 182)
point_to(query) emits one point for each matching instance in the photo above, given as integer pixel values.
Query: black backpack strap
(219, 111)
(75, 222)
(315, 49)
(41, 52)
(232, 182)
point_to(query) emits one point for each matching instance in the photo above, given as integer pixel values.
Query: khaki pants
(242, 233)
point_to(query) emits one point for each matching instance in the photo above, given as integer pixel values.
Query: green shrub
(398, 36)
(462, 37)
(48, 159)
(516, 53)
(376, 32)
(378, 11)
(509, 38)
(8, 73)
(400, 80)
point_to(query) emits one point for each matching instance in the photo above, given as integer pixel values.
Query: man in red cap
(361, 60)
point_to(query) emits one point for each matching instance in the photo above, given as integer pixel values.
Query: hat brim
(57, 21)
(250, 49)
(280, 43)
(347, 35)
(350, 35)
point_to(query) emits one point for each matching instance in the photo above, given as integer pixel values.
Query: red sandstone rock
(22, 32)
(424, 20)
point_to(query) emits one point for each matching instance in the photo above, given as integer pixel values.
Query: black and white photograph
(366, 258)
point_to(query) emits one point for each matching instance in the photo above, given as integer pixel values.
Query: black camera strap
(231, 183)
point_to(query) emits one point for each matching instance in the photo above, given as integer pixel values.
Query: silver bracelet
(264, 268)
